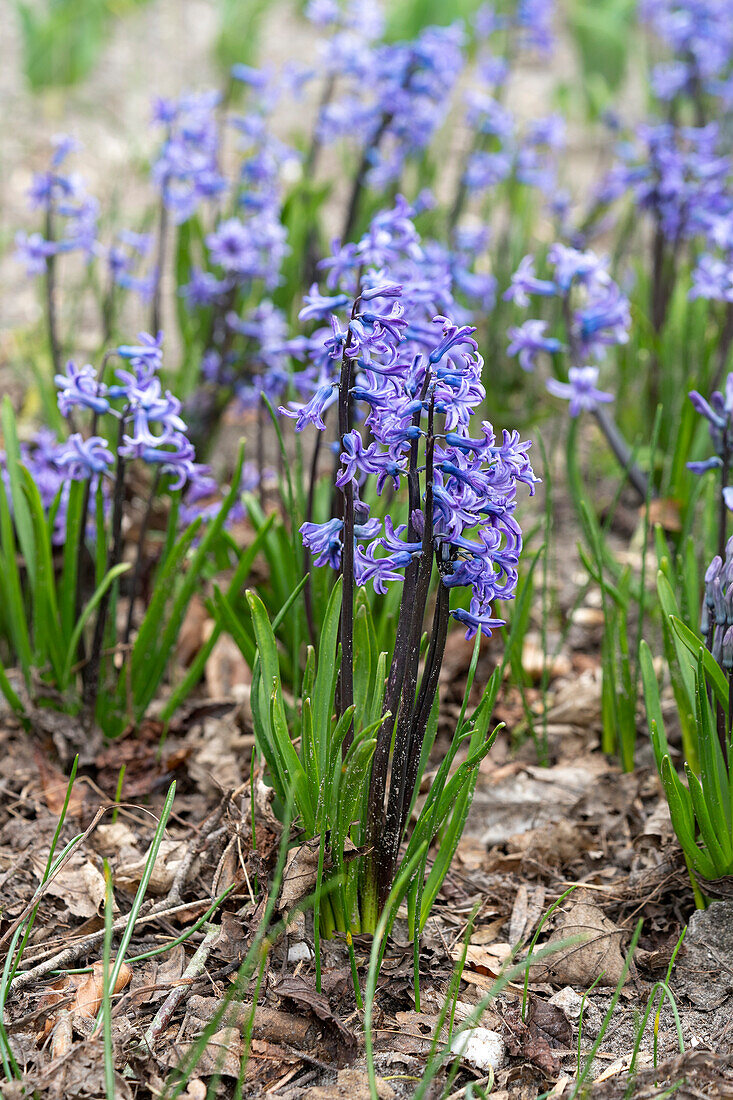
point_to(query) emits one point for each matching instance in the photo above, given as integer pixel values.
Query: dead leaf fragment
(90, 992)
(55, 785)
(80, 885)
(62, 1036)
(168, 860)
(227, 673)
(299, 876)
(221, 1055)
(582, 963)
(305, 997)
(351, 1084)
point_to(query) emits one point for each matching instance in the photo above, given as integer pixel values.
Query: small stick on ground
(71, 955)
(167, 906)
(195, 968)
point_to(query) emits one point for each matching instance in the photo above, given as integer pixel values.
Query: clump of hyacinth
(677, 174)
(391, 96)
(414, 388)
(407, 384)
(186, 169)
(149, 422)
(149, 429)
(595, 317)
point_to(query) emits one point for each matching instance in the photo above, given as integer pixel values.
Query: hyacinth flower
(409, 87)
(699, 37)
(77, 491)
(69, 225)
(678, 177)
(408, 394)
(246, 352)
(595, 317)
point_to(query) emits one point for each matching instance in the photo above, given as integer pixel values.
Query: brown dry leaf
(665, 511)
(484, 959)
(529, 797)
(520, 909)
(299, 876)
(80, 885)
(582, 963)
(221, 1055)
(534, 661)
(488, 933)
(553, 845)
(195, 1090)
(525, 1041)
(266, 1061)
(412, 1037)
(109, 840)
(90, 991)
(168, 860)
(549, 1022)
(57, 991)
(55, 785)
(219, 751)
(578, 700)
(471, 852)
(227, 673)
(191, 636)
(63, 1036)
(351, 1084)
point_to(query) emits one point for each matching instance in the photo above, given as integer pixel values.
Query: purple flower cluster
(408, 373)
(186, 170)
(70, 213)
(595, 313)
(253, 244)
(123, 261)
(150, 425)
(677, 174)
(699, 34)
(408, 85)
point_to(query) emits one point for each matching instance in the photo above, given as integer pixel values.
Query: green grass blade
(90, 607)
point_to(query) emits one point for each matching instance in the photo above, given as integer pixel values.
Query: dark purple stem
(91, 679)
(51, 311)
(156, 312)
(137, 572)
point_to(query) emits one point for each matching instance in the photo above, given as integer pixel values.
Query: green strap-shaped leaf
(21, 509)
(324, 686)
(715, 841)
(93, 603)
(145, 683)
(671, 609)
(683, 819)
(69, 571)
(198, 664)
(713, 671)
(653, 704)
(289, 765)
(47, 625)
(11, 590)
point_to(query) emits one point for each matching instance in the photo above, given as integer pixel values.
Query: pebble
(481, 1048)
